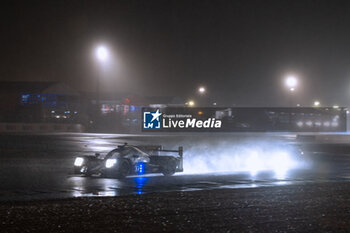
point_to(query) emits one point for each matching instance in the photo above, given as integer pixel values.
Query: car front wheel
(124, 170)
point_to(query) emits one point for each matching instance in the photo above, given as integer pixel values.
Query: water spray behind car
(253, 156)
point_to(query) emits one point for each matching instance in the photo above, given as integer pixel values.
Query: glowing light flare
(291, 82)
(110, 163)
(190, 103)
(201, 90)
(102, 53)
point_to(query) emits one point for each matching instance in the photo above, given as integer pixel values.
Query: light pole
(291, 83)
(102, 56)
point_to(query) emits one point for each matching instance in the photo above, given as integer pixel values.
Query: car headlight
(78, 161)
(110, 163)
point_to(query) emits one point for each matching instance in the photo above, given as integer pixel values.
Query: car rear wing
(180, 152)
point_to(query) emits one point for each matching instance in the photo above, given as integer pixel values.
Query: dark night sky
(240, 50)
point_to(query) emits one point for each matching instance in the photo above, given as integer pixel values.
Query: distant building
(55, 102)
(38, 102)
(122, 112)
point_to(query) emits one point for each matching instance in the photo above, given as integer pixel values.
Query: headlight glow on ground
(78, 161)
(110, 163)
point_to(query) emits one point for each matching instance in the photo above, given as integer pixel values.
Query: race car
(131, 160)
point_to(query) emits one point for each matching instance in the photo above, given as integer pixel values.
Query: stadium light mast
(291, 82)
(102, 55)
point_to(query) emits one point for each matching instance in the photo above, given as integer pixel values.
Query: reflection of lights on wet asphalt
(281, 183)
(79, 184)
(100, 145)
(140, 183)
(108, 193)
(99, 141)
(82, 187)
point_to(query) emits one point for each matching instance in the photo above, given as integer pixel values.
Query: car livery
(131, 160)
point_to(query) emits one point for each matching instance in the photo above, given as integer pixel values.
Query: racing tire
(123, 170)
(169, 169)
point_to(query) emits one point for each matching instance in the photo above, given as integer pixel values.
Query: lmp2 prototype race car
(131, 160)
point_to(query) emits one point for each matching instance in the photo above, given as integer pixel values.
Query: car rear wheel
(169, 169)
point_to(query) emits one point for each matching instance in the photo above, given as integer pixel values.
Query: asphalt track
(40, 166)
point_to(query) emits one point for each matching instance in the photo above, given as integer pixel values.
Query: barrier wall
(40, 127)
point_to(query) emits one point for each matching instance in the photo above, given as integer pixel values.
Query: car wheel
(169, 169)
(123, 170)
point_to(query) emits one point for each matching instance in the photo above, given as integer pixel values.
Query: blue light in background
(25, 98)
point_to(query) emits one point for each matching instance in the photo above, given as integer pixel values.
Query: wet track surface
(40, 167)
